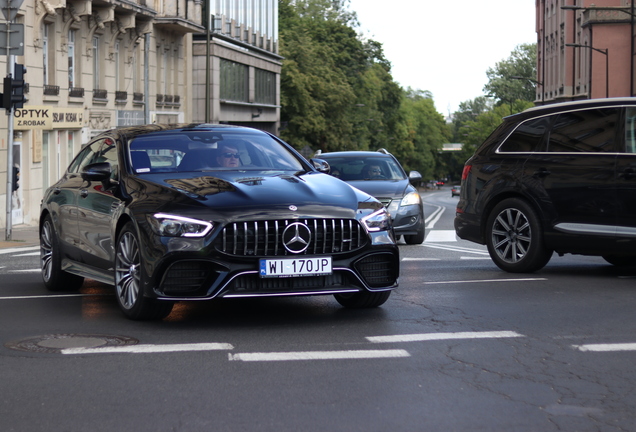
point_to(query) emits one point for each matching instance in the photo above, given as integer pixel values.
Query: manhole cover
(57, 342)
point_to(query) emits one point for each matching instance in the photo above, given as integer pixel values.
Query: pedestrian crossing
(440, 236)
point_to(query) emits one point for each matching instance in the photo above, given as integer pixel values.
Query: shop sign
(47, 118)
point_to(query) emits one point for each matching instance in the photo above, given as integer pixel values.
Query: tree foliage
(337, 91)
(514, 78)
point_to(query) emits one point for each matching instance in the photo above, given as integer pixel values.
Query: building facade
(585, 49)
(93, 65)
(237, 66)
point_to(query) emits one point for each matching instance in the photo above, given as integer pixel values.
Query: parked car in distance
(455, 190)
(380, 174)
(556, 178)
(197, 212)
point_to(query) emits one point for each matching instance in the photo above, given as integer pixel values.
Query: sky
(443, 46)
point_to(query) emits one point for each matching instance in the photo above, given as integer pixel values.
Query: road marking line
(421, 259)
(28, 254)
(484, 280)
(606, 347)
(443, 336)
(50, 296)
(432, 219)
(318, 355)
(456, 249)
(442, 236)
(20, 249)
(149, 348)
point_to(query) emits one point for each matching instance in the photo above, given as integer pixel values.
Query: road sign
(10, 8)
(15, 33)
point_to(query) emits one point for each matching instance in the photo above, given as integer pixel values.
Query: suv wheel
(514, 237)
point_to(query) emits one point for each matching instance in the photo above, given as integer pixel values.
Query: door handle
(542, 172)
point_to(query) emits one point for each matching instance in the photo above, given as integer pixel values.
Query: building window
(96, 71)
(45, 53)
(45, 160)
(71, 59)
(234, 81)
(118, 74)
(264, 87)
(70, 140)
(135, 71)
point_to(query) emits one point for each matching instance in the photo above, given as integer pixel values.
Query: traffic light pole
(10, 66)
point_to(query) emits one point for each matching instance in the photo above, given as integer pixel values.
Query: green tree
(515, 77)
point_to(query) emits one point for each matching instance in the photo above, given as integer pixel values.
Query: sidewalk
(21, 235)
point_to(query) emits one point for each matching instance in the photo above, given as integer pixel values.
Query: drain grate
(55, 343)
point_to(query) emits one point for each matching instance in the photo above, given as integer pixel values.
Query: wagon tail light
(466, 171)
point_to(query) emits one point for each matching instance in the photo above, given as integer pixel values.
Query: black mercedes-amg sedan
(194, 212)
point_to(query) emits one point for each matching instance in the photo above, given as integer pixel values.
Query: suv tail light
(466, 170)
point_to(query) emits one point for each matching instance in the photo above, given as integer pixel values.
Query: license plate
(294, 267)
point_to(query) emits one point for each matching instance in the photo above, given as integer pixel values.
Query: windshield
(188, 151)
(365, 168)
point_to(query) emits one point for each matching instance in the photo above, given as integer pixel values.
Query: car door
(574, 177)
(626, 185)
(62, 201)
(96, 204)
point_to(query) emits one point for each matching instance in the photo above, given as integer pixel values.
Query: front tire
(362, 299)
(129, 278)
(55, 279)
(514, 237)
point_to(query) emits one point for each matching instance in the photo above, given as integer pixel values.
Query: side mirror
(321, 165)
(415, 178)
(99, 171)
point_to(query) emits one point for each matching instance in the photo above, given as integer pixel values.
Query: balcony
(100, 94)
(51, 90)
(121, 97)
(76, 92)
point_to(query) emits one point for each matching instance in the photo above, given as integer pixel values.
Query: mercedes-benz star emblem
(296, 237)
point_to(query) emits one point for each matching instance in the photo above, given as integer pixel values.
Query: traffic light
(17, 97)
(16, 178)
(13, 88)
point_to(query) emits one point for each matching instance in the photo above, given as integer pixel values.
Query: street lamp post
(532, 80)
(602, 51)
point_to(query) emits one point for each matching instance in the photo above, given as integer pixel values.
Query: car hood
(382, 188)
(232, 196)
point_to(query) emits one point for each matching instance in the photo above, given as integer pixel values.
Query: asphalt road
(460, 346)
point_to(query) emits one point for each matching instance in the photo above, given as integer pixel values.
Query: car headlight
(178, 226)
(411, 199)
(379, 220)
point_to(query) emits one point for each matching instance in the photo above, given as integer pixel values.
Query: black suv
(380, 175)
(557, 178)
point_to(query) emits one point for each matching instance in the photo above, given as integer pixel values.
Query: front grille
(379, 270)
(265, 238)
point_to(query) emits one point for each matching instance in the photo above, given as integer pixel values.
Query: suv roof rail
(383, 150)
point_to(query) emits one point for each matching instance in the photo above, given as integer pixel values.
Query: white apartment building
(93, 65)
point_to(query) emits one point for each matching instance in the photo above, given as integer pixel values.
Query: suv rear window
(526, 138)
